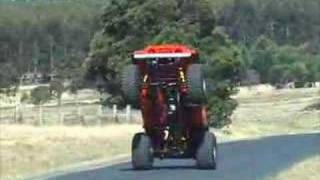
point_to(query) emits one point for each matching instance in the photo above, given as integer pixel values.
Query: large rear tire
(196, 84)
(130, 84)
(142, 152)
(206, 155)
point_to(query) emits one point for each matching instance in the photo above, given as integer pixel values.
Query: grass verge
(306, 170)
(29, 150)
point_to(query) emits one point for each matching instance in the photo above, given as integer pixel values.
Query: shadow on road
(247, 159)
(266, 156)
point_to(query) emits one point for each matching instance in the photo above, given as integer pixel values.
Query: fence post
(61, 117)
(128, 114)
(40, 115)
(0, 112)
(114, 113)
(19, 115)
(99, 114)
(15, 117)
(81, 117)
(79, 114)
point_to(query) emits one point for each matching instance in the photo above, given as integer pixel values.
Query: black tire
(142, 152)
(130, 84)
(196, 84)
(206, 155)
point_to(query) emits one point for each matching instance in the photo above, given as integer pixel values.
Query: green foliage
(280, 65)
(313, 68)
(24, 98)
(263, 57)
(40, 36)
(223, 60)
(221, 110)
(40, 95)
(8, 76)
(283, 21)
(56, 88)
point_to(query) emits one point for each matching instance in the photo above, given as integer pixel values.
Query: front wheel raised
(206, 155)
(197, 87)
(142, 152)
(130, 84)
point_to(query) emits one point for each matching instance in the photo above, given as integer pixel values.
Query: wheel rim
(204, 86)
(214, 153)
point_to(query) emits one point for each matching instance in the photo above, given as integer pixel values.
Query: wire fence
(68, 114)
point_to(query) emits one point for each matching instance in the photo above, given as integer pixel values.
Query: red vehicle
(167, 83)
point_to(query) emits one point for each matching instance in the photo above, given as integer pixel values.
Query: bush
(40, 95)
(25, 97)
(221, 105)
(221, 110)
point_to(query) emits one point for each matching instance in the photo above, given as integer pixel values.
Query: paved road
(241, 160)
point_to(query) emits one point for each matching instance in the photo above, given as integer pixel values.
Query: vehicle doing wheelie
(168, 85)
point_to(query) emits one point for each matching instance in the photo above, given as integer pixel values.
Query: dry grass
(27, 150)
(307, 170)
(274, 112)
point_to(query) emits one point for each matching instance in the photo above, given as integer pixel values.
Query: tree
(263, 57)
(40, 95)
(56, 89)
(41, 35)
(130, 25)
(222, 73)
(8, 76)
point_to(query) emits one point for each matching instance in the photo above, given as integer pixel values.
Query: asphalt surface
(241, 160)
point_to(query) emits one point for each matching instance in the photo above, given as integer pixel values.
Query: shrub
(40, 95)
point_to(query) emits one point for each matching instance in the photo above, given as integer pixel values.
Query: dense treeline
(47, 37)
(281, 38)
(246, 41)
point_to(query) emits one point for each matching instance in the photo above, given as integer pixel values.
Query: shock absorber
(183, 82)
(144, 89)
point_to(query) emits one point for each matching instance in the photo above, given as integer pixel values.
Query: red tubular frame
(154, 110)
